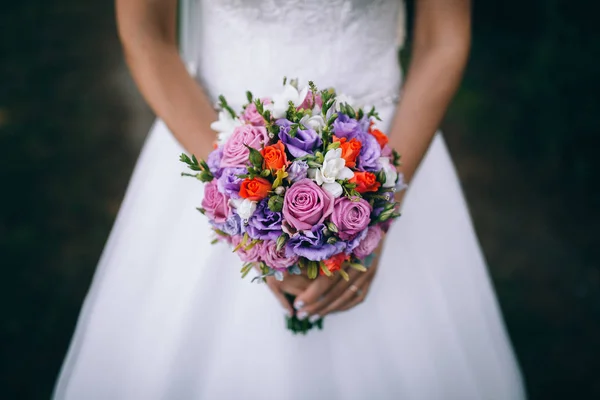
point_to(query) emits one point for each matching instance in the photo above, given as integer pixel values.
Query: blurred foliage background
(523, 131)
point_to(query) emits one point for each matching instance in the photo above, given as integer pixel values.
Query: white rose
(316, 122)
(391, 174)
(245, 208)
(281, 101)
(225, 126)
(334, 167)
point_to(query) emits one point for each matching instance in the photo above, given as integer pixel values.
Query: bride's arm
(442, 37)
(147, 29)
(441, 44)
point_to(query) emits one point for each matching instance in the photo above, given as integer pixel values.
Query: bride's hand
(292, 284)
(327, 295)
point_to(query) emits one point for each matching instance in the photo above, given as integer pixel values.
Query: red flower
(381, 137)
(365, 182)
(255, 189)
(350, 150)
(334, 263)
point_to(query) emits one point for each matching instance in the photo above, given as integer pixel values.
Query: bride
(167, 315)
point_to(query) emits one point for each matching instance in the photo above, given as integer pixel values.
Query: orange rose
(255, 189)
(274, 156)
(365, 182)
(350, 150)
(381, 137)
(334, 263)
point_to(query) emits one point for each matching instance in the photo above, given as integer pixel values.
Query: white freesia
(281, 101)
(225, 126)
(316, 122)
(245, 208)
(334, 167)
(391, 174)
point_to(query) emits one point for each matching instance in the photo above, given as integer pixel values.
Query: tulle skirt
(168, 316)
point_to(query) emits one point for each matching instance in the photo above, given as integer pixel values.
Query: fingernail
(299, 304)
(302, 315)
(287, 313)
(314, 318)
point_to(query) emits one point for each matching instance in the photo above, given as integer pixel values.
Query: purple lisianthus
(368, 159)
(313, 245)
(232, 226)
(352, 244)
(347, 127)
(214, 162)
(302, 143)
(229, 183)
(297, 170)
(264, 223)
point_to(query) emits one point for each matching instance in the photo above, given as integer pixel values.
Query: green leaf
(324, 268)
(249, 96)
(331, 226)
(282, 240)
(312, 270)
(358, 267)
(255, 157)
(344, 275)
(275, 203)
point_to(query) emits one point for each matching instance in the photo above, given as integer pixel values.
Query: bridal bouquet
(297, 182)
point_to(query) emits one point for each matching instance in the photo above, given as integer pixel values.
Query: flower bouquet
(299, 183)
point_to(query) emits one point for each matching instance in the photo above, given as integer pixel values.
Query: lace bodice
(252, 44)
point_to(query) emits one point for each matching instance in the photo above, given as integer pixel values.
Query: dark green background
(523, 131)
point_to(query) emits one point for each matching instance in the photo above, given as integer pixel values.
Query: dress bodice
(351, 45)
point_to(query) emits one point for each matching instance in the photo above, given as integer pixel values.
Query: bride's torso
(351, 45)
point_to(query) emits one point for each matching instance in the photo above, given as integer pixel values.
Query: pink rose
(248, 256)
(306, 204)
(351, 216)
(252, 116)
(369, 243)
(308, 103)
(235, 153)
(276, 259)
(386, 151)
(215, 203)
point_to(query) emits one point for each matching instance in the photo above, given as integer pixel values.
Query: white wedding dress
(168, 316)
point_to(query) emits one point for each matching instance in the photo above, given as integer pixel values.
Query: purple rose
(235, 153)
(251, 115)
(277, 259)
(297, 170)
(248, 256)
(368, 159)
(347, 127)
(351, 216)
(302, 143)
(264, 223)
(308, 102)
(305, 204)
(214, 161)
(312, 244)
(215, 203)
(369, 243)
(229, 183)
(232, 226)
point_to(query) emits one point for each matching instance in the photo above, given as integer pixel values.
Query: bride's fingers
(349, 295)
(276, 290)
(315, 309)
(313, 292)
(294, 284)
(357, 299)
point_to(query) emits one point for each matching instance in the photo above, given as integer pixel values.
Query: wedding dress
(168, 316)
